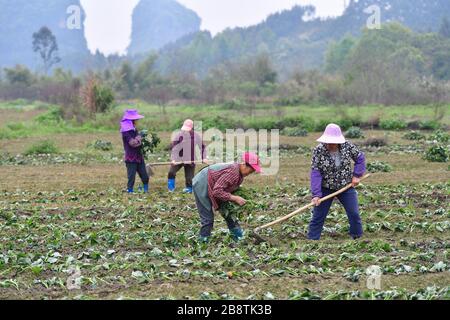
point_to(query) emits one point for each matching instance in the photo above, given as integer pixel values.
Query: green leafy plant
(393, 124)
(294, 132)
(43, 147)
(414, 136)
(439, 136)
(429, 125)
(232, 209)
(102, 145)
(376, 142)
(354, 133)
(437, 153)
(150, 142)
(379, 166)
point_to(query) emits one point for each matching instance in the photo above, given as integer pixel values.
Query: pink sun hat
(332, 135)
(132, 114)
(188, 125)
(253, 160)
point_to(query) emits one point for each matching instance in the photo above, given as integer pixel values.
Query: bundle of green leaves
(150, 142)
(233, 210)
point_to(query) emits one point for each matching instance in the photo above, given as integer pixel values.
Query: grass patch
(42, 147)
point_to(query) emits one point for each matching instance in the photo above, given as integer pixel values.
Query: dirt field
(58, 216)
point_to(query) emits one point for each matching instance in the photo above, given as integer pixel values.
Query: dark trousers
(189, 172)
(207, 219)
(349, 200)
(132, 168)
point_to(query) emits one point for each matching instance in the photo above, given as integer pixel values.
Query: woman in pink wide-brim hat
(331, 170)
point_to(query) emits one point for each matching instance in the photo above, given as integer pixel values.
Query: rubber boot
(237, 234)
(203, 239)
(130, 190)
(187, 190)
(146, 188)
(171, 185)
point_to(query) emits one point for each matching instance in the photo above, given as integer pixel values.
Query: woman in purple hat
(132, 143)
(331, 171)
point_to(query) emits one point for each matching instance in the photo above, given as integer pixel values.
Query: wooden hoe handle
(331, 196)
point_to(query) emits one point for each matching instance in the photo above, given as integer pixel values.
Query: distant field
(15, 115)
(407, 113)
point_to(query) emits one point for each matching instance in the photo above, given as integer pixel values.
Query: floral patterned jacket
(325, 174)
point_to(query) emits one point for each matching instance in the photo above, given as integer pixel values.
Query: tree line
(390, 66)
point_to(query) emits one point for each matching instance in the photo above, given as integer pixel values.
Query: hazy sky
(108, 22)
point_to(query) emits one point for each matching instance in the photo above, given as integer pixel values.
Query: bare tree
(44, 43)
(160, 94)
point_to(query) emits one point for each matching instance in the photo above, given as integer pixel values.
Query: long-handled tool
(151, 171)
(160, 164)
(259, 239)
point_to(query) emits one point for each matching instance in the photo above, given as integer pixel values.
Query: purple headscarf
(126, 125)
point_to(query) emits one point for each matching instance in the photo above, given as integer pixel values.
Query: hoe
(259, 239)
(151, 170)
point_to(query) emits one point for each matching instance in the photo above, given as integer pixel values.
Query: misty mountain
(294, 38)
(155, 24)
(19, 19)
(159, 22)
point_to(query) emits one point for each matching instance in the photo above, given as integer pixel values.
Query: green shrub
(345, 124)
(414, 135)
(17, 126)
(101, 145)
(378, 166)
(258, 124)
(429, 125)
(289, 101)
(5, 133)
(294, 132)
(289, 122)
(234, 104)
(437, 153)
(19, 102)
(306, 123)
(219, 122)
(439, 136)
(321, 125)
(393, 124)
(51, 117)
(104, 98)
(42, 147)
(354, 133)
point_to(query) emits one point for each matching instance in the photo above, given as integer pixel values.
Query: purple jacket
(132, 142)
(325, 174)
